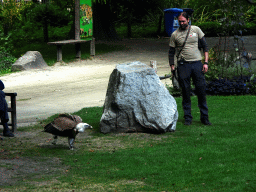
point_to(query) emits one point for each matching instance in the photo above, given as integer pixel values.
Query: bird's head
(80, 127)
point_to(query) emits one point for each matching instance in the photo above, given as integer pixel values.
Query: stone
(137, 101)
(31, 60)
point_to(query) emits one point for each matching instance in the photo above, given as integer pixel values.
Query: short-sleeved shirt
(190, 52)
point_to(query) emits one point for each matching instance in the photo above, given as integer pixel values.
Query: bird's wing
(64, 123)
(77, 119)
(66, 115)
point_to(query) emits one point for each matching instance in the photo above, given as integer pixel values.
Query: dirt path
(73, 86)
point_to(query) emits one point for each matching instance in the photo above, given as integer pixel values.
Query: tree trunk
(45, 22)
(129, 24)
(103, 26)
(77, 19)
(6, 29)
(45, 29)
(159, 25)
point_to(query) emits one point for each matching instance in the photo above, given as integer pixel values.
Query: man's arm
(206, 54)
(171, 58)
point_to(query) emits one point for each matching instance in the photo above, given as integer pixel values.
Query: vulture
(66, 125)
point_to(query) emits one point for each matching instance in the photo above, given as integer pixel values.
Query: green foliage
(139, 31)
(10, 13)
(213, 66)
(226, 64)
(173, 91)
(250, 15)
(210, 28)
(253, 84)
(23, 34)
(6, 59)
(50, 55)
(54, 15)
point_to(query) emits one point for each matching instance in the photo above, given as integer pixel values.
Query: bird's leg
(71, 143)
(55, 137)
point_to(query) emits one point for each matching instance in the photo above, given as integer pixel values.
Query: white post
(153, 64)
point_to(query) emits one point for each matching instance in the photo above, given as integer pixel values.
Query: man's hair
(184, 14)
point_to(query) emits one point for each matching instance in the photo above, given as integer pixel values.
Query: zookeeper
(186, 60)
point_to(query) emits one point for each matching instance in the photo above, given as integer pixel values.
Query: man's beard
(184, 26)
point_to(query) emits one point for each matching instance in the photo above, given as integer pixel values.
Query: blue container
(170, 18)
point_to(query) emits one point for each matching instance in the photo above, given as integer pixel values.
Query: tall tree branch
(251, 2)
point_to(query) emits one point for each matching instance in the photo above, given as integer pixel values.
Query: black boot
(7, 132)
(206, 122)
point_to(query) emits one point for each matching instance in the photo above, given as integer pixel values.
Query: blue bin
(170, 20)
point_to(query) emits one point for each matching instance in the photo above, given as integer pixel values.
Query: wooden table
(77, 43)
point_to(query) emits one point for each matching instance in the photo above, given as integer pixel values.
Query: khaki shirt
(190, 52)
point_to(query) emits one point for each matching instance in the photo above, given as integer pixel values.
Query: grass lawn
(194, 158)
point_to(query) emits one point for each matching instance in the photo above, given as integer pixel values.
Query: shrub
(6, 59)
(235, 86)
(213, 28)
(210, 28)
(54, 15)
(227, 87)
(252, 85)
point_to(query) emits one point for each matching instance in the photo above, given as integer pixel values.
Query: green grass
(143, 30)
(194, 158)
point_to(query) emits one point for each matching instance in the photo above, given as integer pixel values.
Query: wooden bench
(77, 43)
(12, 110)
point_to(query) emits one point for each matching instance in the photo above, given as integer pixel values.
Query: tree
(45, 21)
(10, 13)
(251, 1)
(103, 24)
(50, 14)
(107, 12)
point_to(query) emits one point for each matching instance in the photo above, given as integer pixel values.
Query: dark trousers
(4, 121)
(187, 71)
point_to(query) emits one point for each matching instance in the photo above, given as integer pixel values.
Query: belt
(190, 62)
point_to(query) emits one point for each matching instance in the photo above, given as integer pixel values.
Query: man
(3, 112)
(189, 65)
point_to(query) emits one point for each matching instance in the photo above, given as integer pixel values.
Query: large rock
(31, 60)
(136, 101)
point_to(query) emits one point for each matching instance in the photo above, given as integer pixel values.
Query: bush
(54, 15)
(235, 86)
(250, 29)
(211, 29)
(227, 87)
(33, 34)
(6, 59)
(252, 85)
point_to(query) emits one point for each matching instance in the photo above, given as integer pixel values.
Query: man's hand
(205, 68)
(172, 67)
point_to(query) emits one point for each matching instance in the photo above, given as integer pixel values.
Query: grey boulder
(30, 60)
(137, 101)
